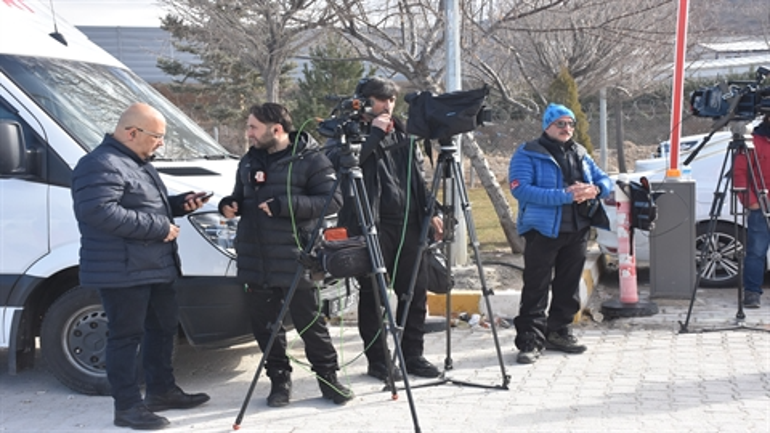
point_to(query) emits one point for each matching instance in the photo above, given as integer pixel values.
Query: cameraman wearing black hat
(398, 196)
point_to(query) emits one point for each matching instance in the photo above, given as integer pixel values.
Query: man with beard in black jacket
(395, 185)
(279, 197)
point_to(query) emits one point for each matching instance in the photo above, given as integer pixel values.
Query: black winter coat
(123, 212)
(267, 247)
(385, 162)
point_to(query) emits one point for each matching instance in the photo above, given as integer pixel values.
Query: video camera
(347, 119)
(440, 117)
(742, 100)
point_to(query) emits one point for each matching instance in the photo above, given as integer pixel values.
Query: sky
(123, 13)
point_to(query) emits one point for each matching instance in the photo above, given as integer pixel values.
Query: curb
(505, 303)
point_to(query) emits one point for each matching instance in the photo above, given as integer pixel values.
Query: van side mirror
(12, 148)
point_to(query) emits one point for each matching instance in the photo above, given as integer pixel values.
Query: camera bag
(345, 258)
(439, 280)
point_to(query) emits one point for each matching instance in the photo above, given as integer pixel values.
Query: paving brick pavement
(638, 375)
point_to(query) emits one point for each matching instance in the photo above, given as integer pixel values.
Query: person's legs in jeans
(757, 242)
(161, 327)
(126, 308)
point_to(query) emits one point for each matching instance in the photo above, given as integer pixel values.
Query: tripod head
(447, 145)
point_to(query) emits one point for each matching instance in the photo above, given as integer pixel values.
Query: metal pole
(603, 128)
(453, 82)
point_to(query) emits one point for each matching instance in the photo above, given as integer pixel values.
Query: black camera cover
(442, 116)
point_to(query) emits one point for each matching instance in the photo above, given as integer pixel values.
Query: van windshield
(87, 100)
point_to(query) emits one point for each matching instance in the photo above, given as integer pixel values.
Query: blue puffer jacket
(123, 213)
(537, 183)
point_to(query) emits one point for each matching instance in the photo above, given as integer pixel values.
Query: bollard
(628, 304)
(626, 257)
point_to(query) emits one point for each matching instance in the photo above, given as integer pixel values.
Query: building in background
(138, 48)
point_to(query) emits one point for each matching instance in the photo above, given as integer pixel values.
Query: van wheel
(721, 262)
(73, 340)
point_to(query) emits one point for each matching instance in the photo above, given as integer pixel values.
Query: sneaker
(174, 398)
(280, 388)
(333, 390)
(139, 417)
(564, 342)
(379, 370)
(528, 356)
(751, 299)
(419, 366)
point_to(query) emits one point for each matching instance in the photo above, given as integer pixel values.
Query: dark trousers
(549, 263)
(144, 315)
(265, 304)
(370, 318)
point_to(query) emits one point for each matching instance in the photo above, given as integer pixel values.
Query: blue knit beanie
(553, 112)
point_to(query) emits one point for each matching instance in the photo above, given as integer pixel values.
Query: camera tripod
(449, 174)
(351, 173)
(755, 184)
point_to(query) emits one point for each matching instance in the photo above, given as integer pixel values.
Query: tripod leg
(408, 297)
(707, 247)
(447, 171)
(269, 346)
(366, 221)
(466, 208)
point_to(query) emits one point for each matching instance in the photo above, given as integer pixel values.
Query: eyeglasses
(564, 124)
(154, 135)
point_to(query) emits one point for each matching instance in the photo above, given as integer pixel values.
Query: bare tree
(263, 34)
(602, 43)
(408, 38)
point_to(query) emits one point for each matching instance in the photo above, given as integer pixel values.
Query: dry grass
(488, 230)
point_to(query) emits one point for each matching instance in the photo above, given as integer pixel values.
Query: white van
(59, 95)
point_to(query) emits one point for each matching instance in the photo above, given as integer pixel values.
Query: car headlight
(217, 229)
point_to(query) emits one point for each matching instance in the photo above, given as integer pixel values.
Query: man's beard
(266, 144)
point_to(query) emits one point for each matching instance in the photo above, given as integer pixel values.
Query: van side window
(39, 162)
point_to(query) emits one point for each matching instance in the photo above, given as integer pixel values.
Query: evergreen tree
(563, 90)
(327, 74)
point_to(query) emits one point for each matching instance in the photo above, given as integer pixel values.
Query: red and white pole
(626, 257)
(678, 88)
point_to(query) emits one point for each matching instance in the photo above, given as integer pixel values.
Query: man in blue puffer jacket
(128, 252)
(557, 186)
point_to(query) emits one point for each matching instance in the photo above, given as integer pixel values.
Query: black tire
(73, 340)
(721, 266)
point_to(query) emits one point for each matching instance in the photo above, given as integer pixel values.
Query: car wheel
(73, 342)
(720, 267)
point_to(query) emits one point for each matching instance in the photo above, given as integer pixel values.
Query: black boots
(332, 389)
(280, 388)
(174, 398)
(139, 418)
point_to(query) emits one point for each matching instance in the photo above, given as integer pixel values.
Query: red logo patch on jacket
(514, 184)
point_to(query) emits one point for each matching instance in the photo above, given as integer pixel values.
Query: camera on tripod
(440, 117)
(747, 97)
(347, 119)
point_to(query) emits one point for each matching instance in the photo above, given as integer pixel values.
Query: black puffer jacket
(385, 162)
(267, 247)
(123, 213)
